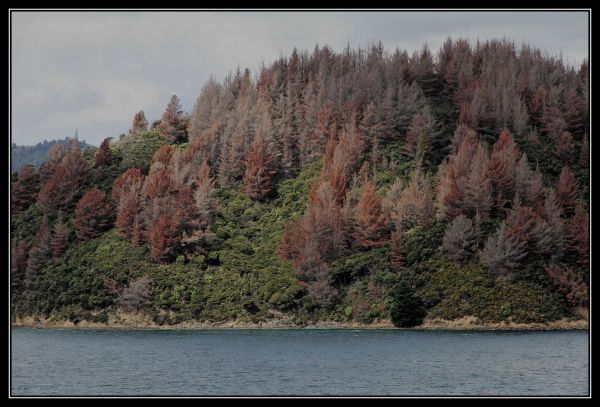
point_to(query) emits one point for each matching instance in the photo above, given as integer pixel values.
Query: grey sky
(94, 70)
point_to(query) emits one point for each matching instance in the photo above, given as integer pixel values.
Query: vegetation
(359, 186)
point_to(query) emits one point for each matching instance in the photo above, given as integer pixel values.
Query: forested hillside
(358, 186)
(34, 155)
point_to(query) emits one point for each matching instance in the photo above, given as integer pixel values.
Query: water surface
(298, 362)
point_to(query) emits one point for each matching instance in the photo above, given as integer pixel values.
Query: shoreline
(462, 324)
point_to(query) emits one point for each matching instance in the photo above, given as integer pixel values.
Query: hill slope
(362, 186)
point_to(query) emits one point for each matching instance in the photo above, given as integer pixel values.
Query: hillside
(360, 186)
(34, 155)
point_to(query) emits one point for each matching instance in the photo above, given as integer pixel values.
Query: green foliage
(406, 308)
(421, 243)
(138, 149)
(453, 291)
(25, 224)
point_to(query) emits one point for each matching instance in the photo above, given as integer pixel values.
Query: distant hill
(34, 155)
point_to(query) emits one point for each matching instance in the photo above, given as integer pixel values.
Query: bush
(406, 309)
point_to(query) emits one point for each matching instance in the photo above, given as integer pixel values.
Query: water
(298, 362)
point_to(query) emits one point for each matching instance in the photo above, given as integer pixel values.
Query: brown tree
(24, 191)
(578, 234)
(371, 227)
(139, 123)
(93, 215)
(398, 253)
(564, 147)
(53, 160)
(461, 239)
(61, 190)
(19, 251)
(136, 296)
(502, 254)
(567, 190)
(39, 254)
(501, 169)
(173, 126)
(103, 155)
(569, 283)
(60, 237)
(259, 174)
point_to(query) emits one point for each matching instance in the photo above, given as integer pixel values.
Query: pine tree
(502, 254)
(461, 239)
(371, 228)
(501, 169)
(62, 189)
(60, 237)
(173, 124)
(569, 283)
(578, 233)
(398, 253)
(39, 254)
(24, 191)
(103, 155)
(93, 215)
(259, 174)
(564, 147)
(18, 264)
(53, 160)
(567, 190)
(139, 123)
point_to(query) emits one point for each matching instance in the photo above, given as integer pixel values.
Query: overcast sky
(94, 70)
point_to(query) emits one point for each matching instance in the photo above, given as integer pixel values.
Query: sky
(93, 70)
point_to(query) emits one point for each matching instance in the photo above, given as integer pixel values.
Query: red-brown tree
(173, 126)
(39, 254)
(139, 122)
(60, 237)
(567, 190)
(24, 191)
(578, 233)
(259, 174)
(93, 215)
(103, 155)
(61, 190)
(19, 251)
(371, 227)
(569, 283)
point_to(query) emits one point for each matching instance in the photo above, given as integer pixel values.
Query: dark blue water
(298, 362)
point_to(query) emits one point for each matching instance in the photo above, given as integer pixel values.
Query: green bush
(406, 308)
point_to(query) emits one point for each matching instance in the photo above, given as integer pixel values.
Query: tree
(564, 147)
(39, 254)
(139, 123)
(567, 190)
(406, 309)
(124, 182)
(163, 239)
(569, 283)
(419, 135)
(93, 215)
(61, 190)
(259, 174)
(584, 156)
(398, 253)
(578, 233)
(415, 204)
(173, 126)
(103, 155)
(461, 239)
(501, 169)
(204, 196)
(24, 191)
(18, 263)
(136, 296)
(53, 160)
(371, 226)
(502, 253)
(60, 237)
